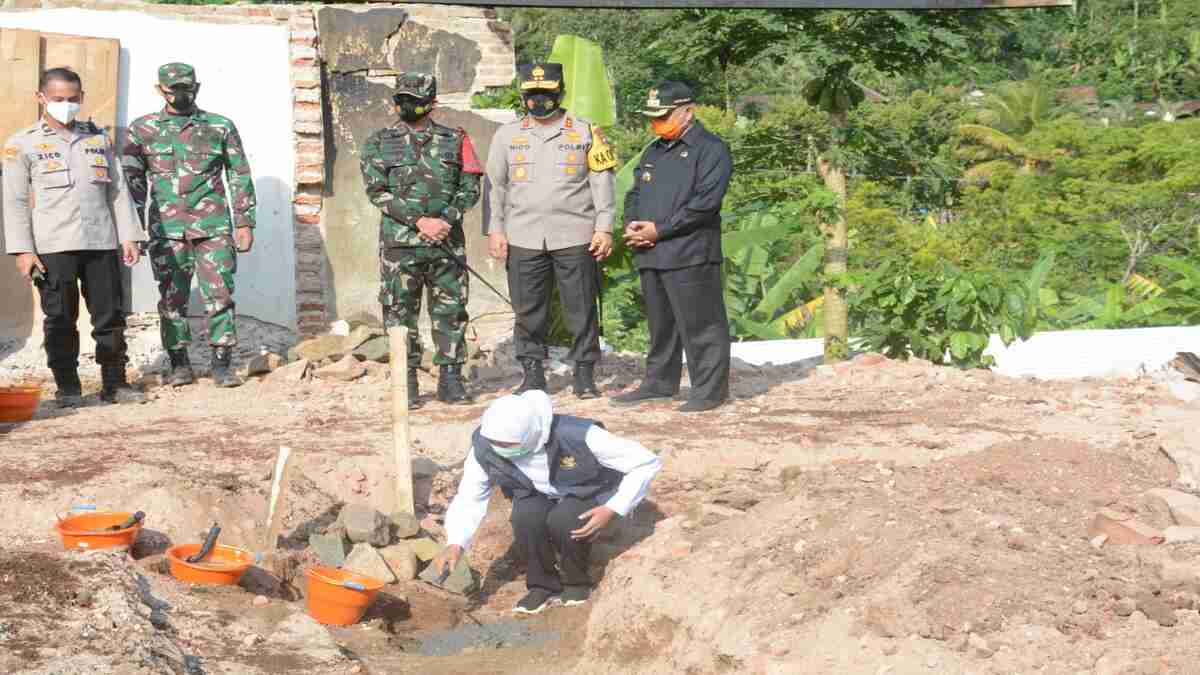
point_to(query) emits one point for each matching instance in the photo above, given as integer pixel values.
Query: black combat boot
(450, 386)
(535, 376)
(114, 387)
(414, 394)
(70, 391)
(181, 369)
(222, 368)
(585, 380)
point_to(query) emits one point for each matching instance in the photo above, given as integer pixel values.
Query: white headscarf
(523, 419)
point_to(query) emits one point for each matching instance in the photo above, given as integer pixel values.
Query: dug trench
(876, 517)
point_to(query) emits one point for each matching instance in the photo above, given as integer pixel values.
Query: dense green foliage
(988, 141)
(1050, 134)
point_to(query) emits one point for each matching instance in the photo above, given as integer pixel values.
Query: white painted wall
(245, 73)
(1053, 355)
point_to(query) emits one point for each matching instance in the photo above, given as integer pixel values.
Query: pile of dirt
(53, 605)
(100, 612)
(923, 559)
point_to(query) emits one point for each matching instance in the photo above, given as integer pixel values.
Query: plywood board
(97, 60)
(20, 67)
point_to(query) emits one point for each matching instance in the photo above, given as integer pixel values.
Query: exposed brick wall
(474, 23)
(308, 125)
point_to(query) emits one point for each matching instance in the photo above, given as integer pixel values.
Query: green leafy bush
(943, 315)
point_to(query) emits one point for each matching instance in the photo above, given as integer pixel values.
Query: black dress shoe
(700, 406)
(637, 397)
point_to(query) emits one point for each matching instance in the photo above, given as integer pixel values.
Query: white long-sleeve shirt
(629, 457)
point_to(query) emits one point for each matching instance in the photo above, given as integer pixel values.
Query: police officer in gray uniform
(69, 220)
(552, 210)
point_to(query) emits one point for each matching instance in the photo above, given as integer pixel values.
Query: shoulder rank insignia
(566, 462)
(568, 123)
(11, 152)
(601, 157)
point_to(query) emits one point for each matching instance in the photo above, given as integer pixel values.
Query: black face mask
(541, 105)
(411, 109)
(183, 100)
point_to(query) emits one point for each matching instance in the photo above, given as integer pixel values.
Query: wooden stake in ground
(401, 453)
(275, 505)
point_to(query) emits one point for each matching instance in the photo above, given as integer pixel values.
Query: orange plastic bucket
(84, 531)
(339, 597)
(18, 403)
(224, 566)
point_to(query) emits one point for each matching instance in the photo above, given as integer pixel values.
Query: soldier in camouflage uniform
(174, 161)
(423, 176)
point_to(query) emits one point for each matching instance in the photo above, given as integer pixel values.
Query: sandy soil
(870, 518)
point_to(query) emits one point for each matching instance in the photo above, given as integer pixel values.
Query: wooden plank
(98, 61)
(20, 68)
(401, 449)
(277, 501)
(772, 4)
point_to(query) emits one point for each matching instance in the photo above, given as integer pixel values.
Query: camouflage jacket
(412, 173)
(176, 163)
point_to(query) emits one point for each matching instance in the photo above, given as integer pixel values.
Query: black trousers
(99, 274)
(575, 270)
(685, 310)
(542, 528)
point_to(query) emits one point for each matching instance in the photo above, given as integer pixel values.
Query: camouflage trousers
(213, 262)
(409, 272)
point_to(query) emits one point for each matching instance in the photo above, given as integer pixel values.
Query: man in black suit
(673, 221)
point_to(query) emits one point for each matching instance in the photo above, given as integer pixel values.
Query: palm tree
(1008, 114)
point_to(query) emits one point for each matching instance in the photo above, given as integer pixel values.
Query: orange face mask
(667, 128)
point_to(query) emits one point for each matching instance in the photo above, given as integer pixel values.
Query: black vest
(574, 470)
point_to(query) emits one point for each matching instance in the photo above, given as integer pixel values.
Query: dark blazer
(679, 185)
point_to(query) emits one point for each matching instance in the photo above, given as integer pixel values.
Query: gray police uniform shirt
(64, 191)
(552, 186)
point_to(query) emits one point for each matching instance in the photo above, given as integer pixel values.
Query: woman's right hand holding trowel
(448, 559)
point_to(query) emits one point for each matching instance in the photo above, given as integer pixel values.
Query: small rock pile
(390, 548)
(345, 354)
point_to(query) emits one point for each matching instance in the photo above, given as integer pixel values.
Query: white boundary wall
(245, 74)
(1052, 355)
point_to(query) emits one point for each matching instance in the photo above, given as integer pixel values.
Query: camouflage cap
(419, 85)
(176, 74)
